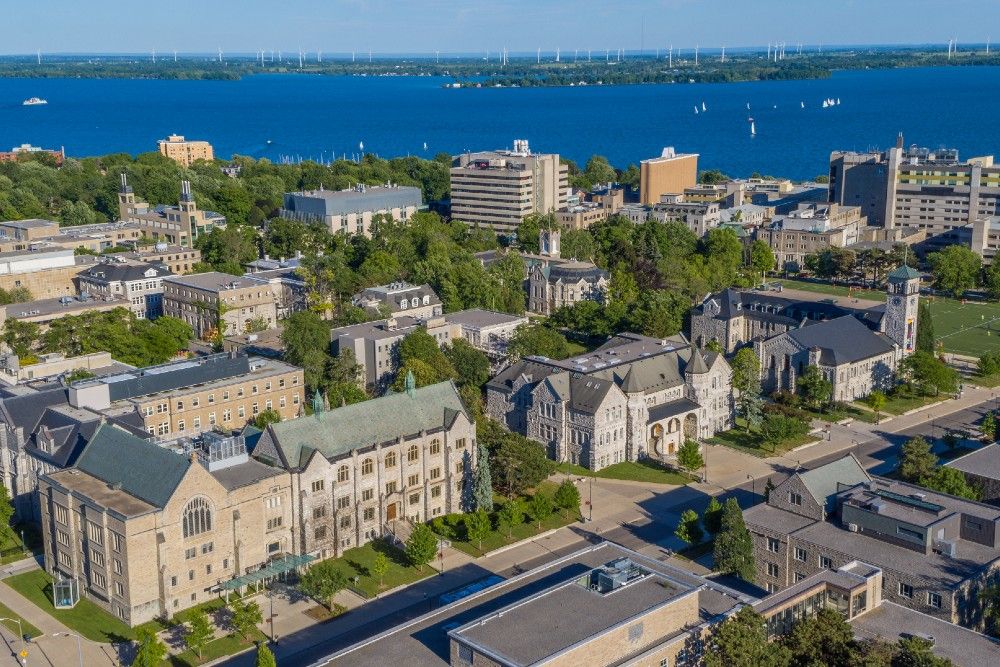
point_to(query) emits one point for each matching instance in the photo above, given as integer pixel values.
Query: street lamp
(79, 648)
(753, 486)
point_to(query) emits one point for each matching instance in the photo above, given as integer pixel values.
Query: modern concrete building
(499, 189)
(183, 151)
(351, 211)
(811, 229)
(24, 150)
(670, 173)
(139, 283)
(146, 531)
(935, 551)
(366, 470)
(400, 298)
(177, 225)
(207, 301)
(632, 398)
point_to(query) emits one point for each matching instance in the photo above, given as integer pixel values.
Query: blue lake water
(315, 117)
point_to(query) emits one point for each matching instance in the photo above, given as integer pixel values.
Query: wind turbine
(154, 56)
(220, 54)
(39, 55)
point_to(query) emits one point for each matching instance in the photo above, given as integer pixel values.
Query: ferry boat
(34, 101)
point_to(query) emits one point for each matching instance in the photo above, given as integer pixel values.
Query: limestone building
(811, 229)
(633, 397)
(554, 282)
(207, 301)
(185, 152)
(48, 273)
(139, 283)
(146, 531)
(364, 470)
(177, 225)
(352, 211)
(400, 298)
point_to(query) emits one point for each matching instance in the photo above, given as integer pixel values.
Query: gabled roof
(68, 431)
(696, 364)
(380, 420)
(827, 480)
(843, 340)
(142, 469)
(26, 410)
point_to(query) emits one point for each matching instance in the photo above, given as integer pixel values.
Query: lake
(308, 116)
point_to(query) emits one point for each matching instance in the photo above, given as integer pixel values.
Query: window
(934, 600)
(190, 552)
(367, 467)
(414, 498)
(772, 570)
(197, 517)
(799, 576)
(801, 554)
(773, 545)
(320, 533)
(367, 494)
(825, 562)
(272, 502)
(190, 575)
(207, 548)
(173, 581)
(390, 460)
(345, 521)
(390, 487)
(435, 447)
(274, 523)
(319, 512)
(95, 532)
(460, 443)
(413, 454)
(343, 474)
(118, 566)
(99, 580)
(436, 491)
(317, 486)
(343, 503)
(119, 589)
(906, 590)
(795, 498)
(413, 480)
(97, 557)
(459, 467)
(62, 515)
(63, 538)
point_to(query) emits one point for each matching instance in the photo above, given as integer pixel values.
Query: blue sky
(406, 26)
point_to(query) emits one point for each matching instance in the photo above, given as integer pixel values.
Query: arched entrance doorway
(691, 426)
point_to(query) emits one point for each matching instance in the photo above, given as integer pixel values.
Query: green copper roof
(904, 273)
(341, 430)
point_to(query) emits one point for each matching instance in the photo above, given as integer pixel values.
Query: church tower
(900, 321)
(548, 242)
(126, 199)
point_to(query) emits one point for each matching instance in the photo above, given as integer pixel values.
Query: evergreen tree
(768, 488)
(925, 328)
(6, 511)
(733, 552)
(689, 528)
(989, 426)
(712, 518)
(199, 631)
(482, 481)
(421, 546)
(916, 460)
(265, 658)
(689, 455)
(567, 497)
(750, 406)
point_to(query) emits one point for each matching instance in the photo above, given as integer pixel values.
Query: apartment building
(183, 151)
(670, 173)
(192, 396)
(698, 216)
(139, 283)
(15, 153)
(632, 398)
(177, 225)
(47, 274)
(208, 301)
(145, 531)
(398, 299)
(352, 211)
(811, 229)
(360, 470)
(499, 189)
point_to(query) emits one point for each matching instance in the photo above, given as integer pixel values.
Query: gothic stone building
(631, 398)
(359, 468)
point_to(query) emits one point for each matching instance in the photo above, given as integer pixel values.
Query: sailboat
(425, 145)
(826, 103)
(696, 110)
(361, 146)
(753, 128)
(838, 101)
(703, 107)
(748, 106)
(802, 105)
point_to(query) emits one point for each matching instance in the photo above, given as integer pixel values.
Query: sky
(469, 26)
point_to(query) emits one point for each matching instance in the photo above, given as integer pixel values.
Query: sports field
(970, 328)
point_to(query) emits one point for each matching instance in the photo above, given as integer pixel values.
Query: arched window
(367, 467)
(197, 517)
(390, 460)
(412, 454)
(343, 474)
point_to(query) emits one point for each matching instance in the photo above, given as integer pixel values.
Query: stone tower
(548, 242)
(637, 415)
(900, 321)
(126, 198)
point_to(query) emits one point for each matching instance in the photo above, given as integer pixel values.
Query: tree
(925, 328)
(482, 481)
(989, 364)
(930, 374)
(876, 401)
(471, 366)
(516, 463)
(917, 652)
(824, 639)
(733, 552)
(20, 336)
(712, 177)
(768, 488)
(567, 497)
(689, 455)
(951, 481)
(6, 511)
(761, 258)
(421, 546)
(380, 565)
(245, 617)
(265, 658)
(741, 641)
(776, 428)
(689, 528)
(322, 581)
(540, 507)
(989, 596)
(537, 339)
(815, 388)
(150, 651)
(956, 269)
(477, 526)
(989, 426)
(418, 345)
(265, 417)
(511, 515)
(199, 632)
(916, 461)
(746, 369)
(991, 280)
(712, 519)
(305, 339)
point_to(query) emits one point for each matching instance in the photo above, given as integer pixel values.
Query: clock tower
(900, 321)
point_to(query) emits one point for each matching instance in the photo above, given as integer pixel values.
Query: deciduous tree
(477, 526)
(956, 269)
(421, 546)
(567, 497)
(741, 641)
(689, 455)
(199, 631)
(689, 528)
(540, 507)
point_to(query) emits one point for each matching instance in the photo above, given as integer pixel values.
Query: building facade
(670, 173)
(185, 152)
(177, 225)
(139, 283)
(399, 299)
(210, 301)
(352, 211)
(46, 273)
(809, 230)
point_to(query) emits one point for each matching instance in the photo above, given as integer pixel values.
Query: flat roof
(216, 281)
(478, 317)
(102, 493)
(66, 305)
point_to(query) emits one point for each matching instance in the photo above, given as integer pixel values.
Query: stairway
(398, 531)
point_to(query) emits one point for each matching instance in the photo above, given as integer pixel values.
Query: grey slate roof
(773, 307)
(671, 409)
(26, 410)
(111, 272)
(68, 429)
(172, 375)
(843, 340)
(143, 469)
(215, 281)
(984, 462)
(827, 480)
(332, 433)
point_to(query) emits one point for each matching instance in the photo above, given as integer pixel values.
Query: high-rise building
(499, 189)
(670, 173)
(184, 152)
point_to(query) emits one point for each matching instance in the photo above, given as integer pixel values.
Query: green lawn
(841, 411)
(11, 547)
(832, 290)
(902, 401)
(86, 618)
(646, 470)
(497, 539)
(358, 562)
(26, 628)
(750, 443)
(218, 648)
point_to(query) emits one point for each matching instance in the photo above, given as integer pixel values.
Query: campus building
(352, 211)
(177, 225)
(185, 152)
(810, 229)
(365, 470)
(670, 173)
(46, 273)
(398, 299)
(499, 189)
(139, 283)
(208, 301)
(25, 150)
(554, 283)
(633, 397)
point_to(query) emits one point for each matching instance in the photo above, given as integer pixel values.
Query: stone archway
(691, 426)
(656, 439)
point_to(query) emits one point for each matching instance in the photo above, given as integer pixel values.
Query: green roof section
(141, 468)
(904, 273)
(827, 480)
(344, 429)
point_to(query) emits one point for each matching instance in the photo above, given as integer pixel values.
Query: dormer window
(404, 304)
(427, 299)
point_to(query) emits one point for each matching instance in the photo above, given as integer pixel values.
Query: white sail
(703, 107)
(696, 109)
(802, 105)
(361, 145)
(753, 129)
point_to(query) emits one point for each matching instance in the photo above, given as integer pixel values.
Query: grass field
(26, 628)
(970, 328)
(358, 563)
